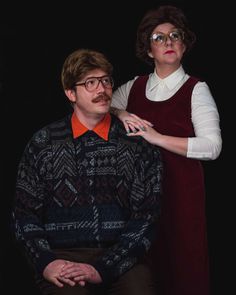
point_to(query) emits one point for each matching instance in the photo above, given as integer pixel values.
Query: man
(88, 196)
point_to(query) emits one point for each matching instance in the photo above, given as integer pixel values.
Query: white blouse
(207, 143)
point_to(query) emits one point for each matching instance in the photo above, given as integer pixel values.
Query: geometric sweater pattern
(88, 192)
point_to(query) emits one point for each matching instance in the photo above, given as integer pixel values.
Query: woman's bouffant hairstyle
(79, 63)
(155, 17)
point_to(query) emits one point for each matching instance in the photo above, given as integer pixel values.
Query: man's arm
(27, 212)
(143, 193)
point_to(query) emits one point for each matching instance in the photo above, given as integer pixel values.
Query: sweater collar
(101, 129)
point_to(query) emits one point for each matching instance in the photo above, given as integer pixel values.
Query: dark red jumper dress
(180, 253)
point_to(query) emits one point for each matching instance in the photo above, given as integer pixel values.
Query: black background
(35, 39)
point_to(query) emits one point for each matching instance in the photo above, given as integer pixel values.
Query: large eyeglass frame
(92, 83)
(161, 38)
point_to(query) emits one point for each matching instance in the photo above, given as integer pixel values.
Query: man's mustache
(101, 97)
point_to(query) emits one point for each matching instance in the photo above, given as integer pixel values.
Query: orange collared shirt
(102, 128)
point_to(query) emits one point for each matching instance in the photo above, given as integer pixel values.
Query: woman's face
(167, 46)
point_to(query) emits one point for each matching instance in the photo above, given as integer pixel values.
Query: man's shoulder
(138, 142)
(54, 131)
(117, 126)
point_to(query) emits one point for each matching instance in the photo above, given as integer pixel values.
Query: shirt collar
(101, 129)
(171, 81)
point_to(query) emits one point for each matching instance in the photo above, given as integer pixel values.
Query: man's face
(92, 95)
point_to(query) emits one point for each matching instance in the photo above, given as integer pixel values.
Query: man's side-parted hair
(79, 63)
(155, 17)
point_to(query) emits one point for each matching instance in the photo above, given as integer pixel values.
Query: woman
(177, 112)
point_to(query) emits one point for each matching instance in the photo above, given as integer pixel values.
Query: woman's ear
(150, 54)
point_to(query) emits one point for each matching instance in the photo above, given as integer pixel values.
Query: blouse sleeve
(121, 94)
(207, 143)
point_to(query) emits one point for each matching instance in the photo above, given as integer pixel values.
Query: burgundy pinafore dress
(180, 253)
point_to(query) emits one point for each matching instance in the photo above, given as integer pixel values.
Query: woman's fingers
(134, 127)
(140, 120)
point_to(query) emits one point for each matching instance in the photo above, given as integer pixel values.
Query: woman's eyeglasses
(161, 38)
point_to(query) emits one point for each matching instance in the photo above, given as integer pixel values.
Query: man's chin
(103, 108)
(102, 111)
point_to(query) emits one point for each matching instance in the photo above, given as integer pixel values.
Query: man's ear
(70, 93)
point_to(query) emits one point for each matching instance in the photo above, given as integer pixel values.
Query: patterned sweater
(87, 192)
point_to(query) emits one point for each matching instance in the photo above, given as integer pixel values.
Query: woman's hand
(132, 122)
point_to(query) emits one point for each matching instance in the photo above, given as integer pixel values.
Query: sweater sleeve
(27, 212)
(143, 196)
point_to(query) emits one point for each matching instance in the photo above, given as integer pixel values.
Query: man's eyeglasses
(161, 38)
(92, 83)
